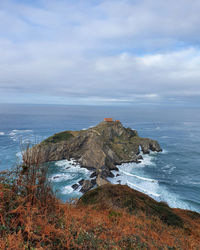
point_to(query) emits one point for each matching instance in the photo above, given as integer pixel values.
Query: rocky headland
(99, 149)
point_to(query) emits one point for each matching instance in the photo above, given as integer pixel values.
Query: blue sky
(100, 52)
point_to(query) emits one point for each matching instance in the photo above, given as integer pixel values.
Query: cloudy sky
(100, 52)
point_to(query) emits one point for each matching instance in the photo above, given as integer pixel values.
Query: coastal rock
(87, 185)
(101, 181)
(107, 144)
(140, 157)
(104, 172)
(94, 174)
(75, 186)
(99, 149)
(81, 182)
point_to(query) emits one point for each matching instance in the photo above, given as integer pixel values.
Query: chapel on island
(110, 120)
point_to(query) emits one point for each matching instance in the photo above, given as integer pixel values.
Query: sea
(172, 176)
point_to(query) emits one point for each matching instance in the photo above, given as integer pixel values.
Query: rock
(75, 186)
(154, 146)
(104, 172)
(87, 185)
(117, 175)
(107, 144)
(100, 181)
(94, 174)
(93, 181)
(56, 177)
(145, 148)
(81, 182)
(148, 145)
(140, 157)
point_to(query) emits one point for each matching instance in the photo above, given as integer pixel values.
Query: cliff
(99, 148)
(107, 144)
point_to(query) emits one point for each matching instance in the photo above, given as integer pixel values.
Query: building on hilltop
(108, 120)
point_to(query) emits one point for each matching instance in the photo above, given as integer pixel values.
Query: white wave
(164, 151)
(153, 189)
(169, 168)
(173, 200)
(143, 190)
(65, 163)
(21, 131)
(16, 135)
(70, 173)
(147, 160)
(139, 177)
(128, 175)
(194, 183)
(67, 190)
(157, 128)
(71, 166)
(165, 137)
(2, 133)
(60, 177)
(19, 155)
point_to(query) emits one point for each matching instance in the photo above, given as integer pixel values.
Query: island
(100, 149)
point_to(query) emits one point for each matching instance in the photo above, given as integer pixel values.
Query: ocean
(172, 176)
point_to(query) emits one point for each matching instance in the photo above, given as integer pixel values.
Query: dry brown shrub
(32, 218)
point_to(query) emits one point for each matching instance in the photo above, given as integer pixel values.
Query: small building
(108, 120)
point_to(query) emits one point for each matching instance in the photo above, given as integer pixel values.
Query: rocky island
(100, 149)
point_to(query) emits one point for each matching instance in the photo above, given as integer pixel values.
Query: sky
(114, 52)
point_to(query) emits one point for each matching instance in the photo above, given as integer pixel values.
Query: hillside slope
(108, 217)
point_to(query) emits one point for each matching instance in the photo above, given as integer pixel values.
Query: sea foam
(66, 174)
(134, 176)
(17, 135)
(139, 177)
(71, 166)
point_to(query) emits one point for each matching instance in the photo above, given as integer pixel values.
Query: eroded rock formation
(99, 148)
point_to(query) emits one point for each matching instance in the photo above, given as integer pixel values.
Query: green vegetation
(58, 137)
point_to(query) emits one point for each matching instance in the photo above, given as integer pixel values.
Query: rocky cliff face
(100, 148)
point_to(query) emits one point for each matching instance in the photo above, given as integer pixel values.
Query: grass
(132, 201)
(58, 137)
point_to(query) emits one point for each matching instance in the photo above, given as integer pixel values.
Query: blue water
(172, 176)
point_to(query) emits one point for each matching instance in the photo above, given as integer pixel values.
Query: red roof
(108, 119)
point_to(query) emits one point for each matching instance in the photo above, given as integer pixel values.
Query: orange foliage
(66, 226)
(32, 218)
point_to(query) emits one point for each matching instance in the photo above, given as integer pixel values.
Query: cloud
(99, 51)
